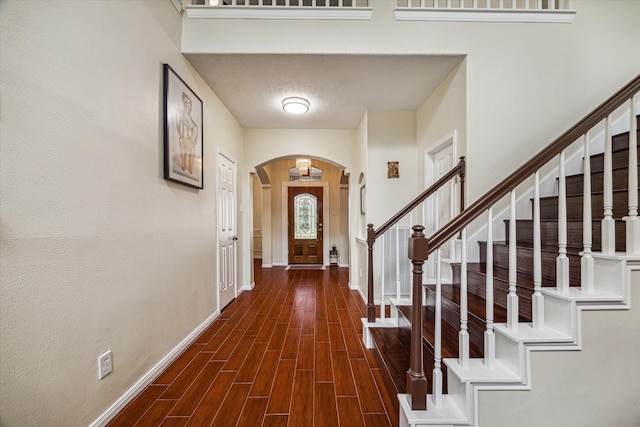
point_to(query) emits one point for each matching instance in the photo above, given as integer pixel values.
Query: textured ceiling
(340, 87)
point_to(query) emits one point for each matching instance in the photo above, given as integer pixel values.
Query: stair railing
(373, 235)
(420, 246)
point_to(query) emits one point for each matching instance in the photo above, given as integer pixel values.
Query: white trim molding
(279, 12)
(484, 15)
(153, 373)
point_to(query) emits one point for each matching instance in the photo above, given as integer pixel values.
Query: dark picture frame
(183, 133)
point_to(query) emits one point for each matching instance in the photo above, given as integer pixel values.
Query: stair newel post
(371, 307)
(463, 168)
(512, 297)
(562, 261)
(463, 341)
(586, 261)
(489, 336)
(608, 224)
(537, 298)
(632, 222)
(416, 380)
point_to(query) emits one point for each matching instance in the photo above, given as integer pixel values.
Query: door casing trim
(285, 219)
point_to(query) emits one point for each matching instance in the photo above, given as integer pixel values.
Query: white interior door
(443, 163)
(227, 234)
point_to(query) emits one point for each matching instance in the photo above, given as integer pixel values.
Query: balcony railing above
(485, 10)
(280, 9)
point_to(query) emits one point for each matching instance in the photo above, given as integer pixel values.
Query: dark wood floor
(288, 353)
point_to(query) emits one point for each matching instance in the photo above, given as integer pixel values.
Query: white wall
(98, 251)
(391, 137)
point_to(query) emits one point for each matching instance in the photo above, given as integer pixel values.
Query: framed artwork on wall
(393, 170)
(183, 137)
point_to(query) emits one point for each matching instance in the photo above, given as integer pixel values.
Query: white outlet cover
(105, 364)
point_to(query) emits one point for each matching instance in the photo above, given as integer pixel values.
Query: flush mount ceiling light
(295, 105)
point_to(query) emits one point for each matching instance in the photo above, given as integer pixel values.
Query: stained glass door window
(305, 216)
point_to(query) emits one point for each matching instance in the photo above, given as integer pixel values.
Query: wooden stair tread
(393, 344)
(523, 280)
(476, 304)
(449, 333)
(545, 248)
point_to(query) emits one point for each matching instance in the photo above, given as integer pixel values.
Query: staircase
(551, 322)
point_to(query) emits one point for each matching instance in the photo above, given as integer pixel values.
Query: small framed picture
(393, 170)
(183, 137)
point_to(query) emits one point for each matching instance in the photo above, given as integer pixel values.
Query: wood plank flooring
(288, 353)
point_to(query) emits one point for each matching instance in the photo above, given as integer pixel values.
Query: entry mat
(306, 267)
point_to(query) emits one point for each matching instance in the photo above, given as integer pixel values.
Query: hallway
(288, 352)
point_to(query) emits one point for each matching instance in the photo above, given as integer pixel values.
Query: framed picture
(183, 139)
(363, 193)
(393, 170)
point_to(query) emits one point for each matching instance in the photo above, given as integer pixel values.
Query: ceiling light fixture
(303, 166)
(295, 105)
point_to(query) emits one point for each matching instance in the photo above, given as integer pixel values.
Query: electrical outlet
(105, 365)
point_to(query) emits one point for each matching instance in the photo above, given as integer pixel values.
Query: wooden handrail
(545, 155)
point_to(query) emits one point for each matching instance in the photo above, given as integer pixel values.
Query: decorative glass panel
(305, 216)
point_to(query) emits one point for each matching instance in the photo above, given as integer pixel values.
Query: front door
(227, 237)
(305, 225)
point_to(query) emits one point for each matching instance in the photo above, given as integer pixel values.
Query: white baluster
(562, 261)
(608, 224)
(464, 335)
(526, 4)
(512, 297)
(489, 336)
(475, 4)
(586, 262)
(437, 345)
(537, 298)
(398, 260)
(382, 276)
(631, 222)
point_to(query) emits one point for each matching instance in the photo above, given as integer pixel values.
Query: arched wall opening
(269, 186)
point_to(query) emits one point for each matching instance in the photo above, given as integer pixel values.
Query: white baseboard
(153, 373)
(249, 287)
(266, 265)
